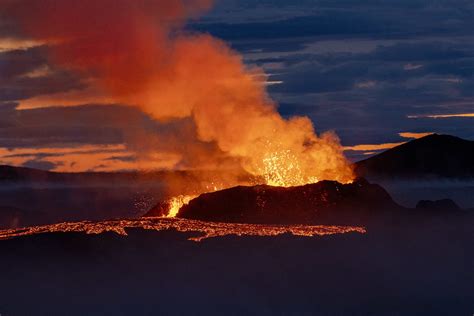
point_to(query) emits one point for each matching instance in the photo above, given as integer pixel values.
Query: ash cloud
(139, 54)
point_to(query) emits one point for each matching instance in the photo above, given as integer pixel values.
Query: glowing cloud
(441, 116)
(86, 158)
(138, 53)
(372, 147)
(9, 44)
(413, 135)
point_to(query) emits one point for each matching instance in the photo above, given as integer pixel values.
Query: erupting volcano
(140, 53)
(176, 157)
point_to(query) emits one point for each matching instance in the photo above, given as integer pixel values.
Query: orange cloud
(414, 135)
(88, 157)
(89, 95)
(141, 55)
(437, 116)
(9, 44)
(373, 147)
(370, 149)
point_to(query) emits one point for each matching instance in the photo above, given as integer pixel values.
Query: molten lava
(203, 229)
(177, 202)
(282, 169)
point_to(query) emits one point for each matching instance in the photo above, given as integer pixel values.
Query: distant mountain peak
(432, 156)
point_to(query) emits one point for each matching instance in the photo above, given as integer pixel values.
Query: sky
(376, 72)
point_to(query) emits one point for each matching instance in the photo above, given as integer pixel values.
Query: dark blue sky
(367, 69)
(361, 67)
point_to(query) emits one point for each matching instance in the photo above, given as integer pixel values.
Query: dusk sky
(369, 70)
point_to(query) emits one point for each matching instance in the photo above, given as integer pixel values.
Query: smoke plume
(139, 54)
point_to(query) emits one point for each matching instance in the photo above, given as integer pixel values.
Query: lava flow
(204, 229)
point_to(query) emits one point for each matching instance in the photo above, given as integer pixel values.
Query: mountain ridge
(430, 157)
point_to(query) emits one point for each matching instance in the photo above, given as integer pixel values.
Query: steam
(138, 53)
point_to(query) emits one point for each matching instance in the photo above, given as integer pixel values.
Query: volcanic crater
(324, 202)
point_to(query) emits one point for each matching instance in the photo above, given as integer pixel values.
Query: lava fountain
(176, 203)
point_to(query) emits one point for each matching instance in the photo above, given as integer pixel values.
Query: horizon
(381, 149)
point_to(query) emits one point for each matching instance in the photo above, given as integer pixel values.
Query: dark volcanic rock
(159, 210)
(325, 202)
(433, 156)
(439, 205)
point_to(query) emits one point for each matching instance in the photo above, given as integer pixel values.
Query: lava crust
(325, 202)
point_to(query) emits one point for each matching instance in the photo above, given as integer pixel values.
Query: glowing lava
(282, 169)
(177, 202)
(203, 229)
(279, 169)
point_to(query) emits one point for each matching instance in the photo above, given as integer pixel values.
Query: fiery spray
(137, 53)
(177, 202)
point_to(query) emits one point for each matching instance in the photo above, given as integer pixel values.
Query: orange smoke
(138, 54)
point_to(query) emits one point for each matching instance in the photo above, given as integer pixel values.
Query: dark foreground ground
(423, 269)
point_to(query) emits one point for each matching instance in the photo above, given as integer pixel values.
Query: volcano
(325, 202)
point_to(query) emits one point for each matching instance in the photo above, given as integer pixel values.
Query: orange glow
(373, 147)
(203, 229)
(437, 116)
(137, 53)
(176, 203)
(39, 72)
(90, 95)
(413, 135)
(87, 158)
(9, 44)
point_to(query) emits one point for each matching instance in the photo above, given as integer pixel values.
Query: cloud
(410, 66)
(21, 76)
(348, 18)
(17, 44)
(118, 137)
(362, 151)
(441, 116)
(367, 95)
(414, 135)
(360, 68)
(41, 164)
(373, 147)
(80, 158)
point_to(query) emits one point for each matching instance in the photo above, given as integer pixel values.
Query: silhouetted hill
(11, 173)
(325, 202)
(433, 156)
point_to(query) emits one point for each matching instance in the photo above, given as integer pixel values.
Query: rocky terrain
(325, 202)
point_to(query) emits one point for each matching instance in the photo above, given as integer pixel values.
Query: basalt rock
(325, 202)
